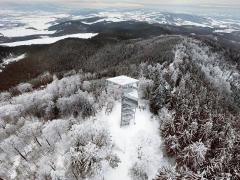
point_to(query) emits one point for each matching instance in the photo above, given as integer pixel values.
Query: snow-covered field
(224, 30)
(138, 143)
(18, 23)
(10, 59)
(167, 18)
(50, 40)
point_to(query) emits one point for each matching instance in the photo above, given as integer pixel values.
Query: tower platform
(129, 96)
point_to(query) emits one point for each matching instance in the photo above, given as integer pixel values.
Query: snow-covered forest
(197, 99)
(63, 131)
(188, 129)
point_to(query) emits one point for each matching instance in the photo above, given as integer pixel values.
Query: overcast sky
(130, 3)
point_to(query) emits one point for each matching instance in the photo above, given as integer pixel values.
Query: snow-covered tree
(80, 103)
(52, 131)
(145, 88)
(4, 96)
(86, 85)
(138, 171)
(193, 155)
(90, 152)
(167, 173)
(24, 87)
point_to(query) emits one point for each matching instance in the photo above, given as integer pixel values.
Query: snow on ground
(10, 59)
(18, 23)
(12, 171)
(190, 23)
(23, 31)
(225, 30)
(140, 137)
(165, 18)
(49, 40)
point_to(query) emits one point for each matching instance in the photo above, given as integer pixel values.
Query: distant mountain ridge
(65, 24)
(122, 42)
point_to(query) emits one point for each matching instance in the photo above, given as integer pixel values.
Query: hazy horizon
(215, 8)
(125, 3)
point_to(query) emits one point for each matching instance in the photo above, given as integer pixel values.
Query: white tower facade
(129, 96)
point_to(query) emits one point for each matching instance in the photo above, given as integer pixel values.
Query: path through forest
(140, 142)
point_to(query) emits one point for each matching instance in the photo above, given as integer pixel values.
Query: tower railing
(128, 89)
(128, 110)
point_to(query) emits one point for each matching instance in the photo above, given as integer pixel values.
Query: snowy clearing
(50, 40)
(165, 18)
(24, 31)
(225, 30)
(10, 59)
(141, 137)
(19, 23)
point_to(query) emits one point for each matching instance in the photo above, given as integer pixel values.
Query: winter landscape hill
(55, 121)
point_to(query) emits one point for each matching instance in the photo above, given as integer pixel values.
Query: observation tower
(129, 96)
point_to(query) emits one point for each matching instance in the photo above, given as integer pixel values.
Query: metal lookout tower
(129, 96)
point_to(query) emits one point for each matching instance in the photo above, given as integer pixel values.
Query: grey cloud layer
(99, 3)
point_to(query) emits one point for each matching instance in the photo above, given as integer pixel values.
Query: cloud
(79, 3)
(102, 3)
(126, 3)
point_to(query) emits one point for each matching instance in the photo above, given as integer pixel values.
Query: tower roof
(122, 80)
